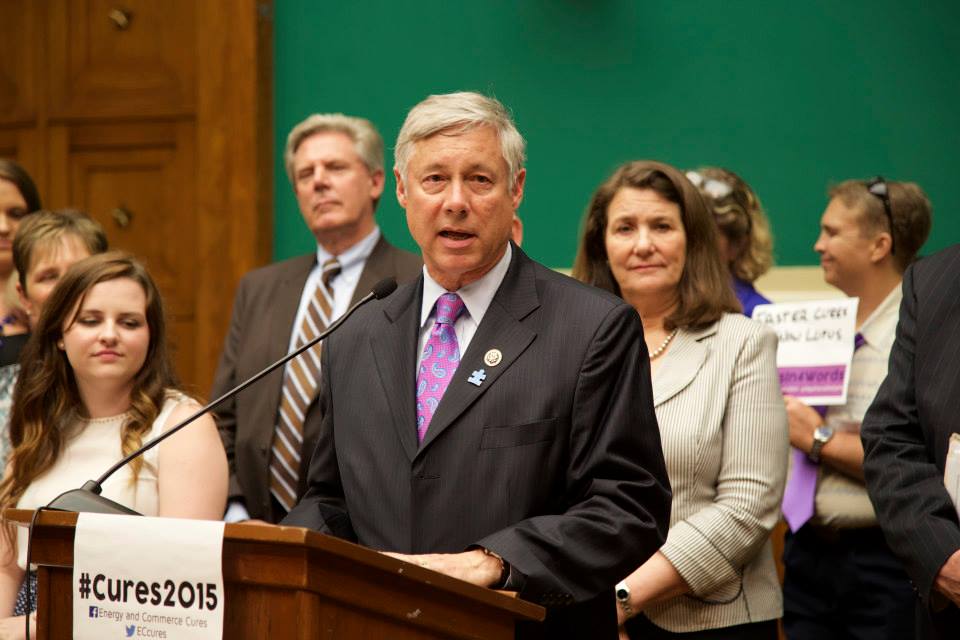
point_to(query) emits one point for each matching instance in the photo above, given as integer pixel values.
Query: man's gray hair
(462, 111)
(366, 138)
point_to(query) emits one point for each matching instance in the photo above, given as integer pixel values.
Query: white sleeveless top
(91, 451)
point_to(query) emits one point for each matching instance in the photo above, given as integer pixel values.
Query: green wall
(791, 96)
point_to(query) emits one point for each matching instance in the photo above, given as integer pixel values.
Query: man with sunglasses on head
(841, 578)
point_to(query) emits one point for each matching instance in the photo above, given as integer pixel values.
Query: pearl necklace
(663, 345)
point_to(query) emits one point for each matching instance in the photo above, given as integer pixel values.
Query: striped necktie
(300, 383)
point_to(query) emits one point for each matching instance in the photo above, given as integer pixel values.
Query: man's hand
(475, 566)
(948, 579)
(804, 420)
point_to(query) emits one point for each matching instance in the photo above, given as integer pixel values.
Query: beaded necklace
(663, 345)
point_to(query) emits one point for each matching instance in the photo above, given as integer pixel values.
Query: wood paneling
(19, 61)
(137, 181)
(99, 68)
(142, 115)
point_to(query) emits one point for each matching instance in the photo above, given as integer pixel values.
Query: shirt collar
(880, 326)
(476, 296)
(358, 253)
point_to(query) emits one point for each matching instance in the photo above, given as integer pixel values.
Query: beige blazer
(725, 440)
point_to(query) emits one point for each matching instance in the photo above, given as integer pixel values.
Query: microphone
(88, 499)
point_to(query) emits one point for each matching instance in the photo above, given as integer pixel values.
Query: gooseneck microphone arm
(88, 498)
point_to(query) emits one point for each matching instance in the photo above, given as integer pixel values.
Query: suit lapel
(395, 353)
(681, 363)
(286, 301)
(375, 269)
(500, 329)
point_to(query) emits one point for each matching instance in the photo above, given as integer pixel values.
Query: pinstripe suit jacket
(553, 462)
(724, 432)
(907, 428)
(264, 310)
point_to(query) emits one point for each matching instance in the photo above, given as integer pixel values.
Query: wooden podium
(287, 582)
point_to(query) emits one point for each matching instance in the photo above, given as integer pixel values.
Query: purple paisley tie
(441, 356)
(800, 495)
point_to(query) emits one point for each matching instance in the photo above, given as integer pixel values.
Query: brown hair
(740, 217)
(46, 401)
(10, 170)
(704, 292)
(909, 206)
(45, 229)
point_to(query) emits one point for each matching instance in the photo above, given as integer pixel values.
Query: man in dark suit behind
(335, 164)
(906, 434)
(494, 420)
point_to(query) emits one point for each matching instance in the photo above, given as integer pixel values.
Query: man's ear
(517, 193)
(881, 245)
(377, 179)
(401, 191)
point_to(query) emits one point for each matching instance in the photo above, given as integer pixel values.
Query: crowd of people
(614, 446)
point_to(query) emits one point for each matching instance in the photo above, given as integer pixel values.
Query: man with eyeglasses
(841, 578)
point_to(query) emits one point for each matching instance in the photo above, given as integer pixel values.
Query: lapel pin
(492, 358)
(477, 377)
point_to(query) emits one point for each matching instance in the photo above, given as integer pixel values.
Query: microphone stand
(87, 499)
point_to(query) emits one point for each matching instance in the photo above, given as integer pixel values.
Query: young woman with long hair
(96, 383)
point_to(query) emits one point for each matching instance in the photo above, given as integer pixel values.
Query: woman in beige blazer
(649, 238)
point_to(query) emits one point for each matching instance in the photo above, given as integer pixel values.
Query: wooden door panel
(25, 145)
(18, 63)
(137, 182)
(112, 58)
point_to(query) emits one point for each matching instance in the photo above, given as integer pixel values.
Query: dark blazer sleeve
(903, 479)
(617, 493)
(224, 380)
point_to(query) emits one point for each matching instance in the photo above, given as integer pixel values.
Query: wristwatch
(622, 592)
(821, 436)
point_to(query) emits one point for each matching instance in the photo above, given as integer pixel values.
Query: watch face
(622, 594)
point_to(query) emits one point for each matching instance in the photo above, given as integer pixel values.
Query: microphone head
(384, 288)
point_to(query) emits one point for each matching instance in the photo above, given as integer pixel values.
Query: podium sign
(136, 577)
(286, 582)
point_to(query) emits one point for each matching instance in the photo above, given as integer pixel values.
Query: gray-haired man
(506, 434)
(335, 164)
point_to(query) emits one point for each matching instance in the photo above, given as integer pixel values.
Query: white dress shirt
(476, 297)
(352, 262)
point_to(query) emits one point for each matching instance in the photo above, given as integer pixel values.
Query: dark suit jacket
(553, 462)
(264, 310)
(907, 429)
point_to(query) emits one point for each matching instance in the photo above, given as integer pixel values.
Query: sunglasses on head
(879, 188)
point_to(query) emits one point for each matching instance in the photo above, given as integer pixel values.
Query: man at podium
(493, 420)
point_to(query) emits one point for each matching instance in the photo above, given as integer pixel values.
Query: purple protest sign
(815, 347)
(813, 381)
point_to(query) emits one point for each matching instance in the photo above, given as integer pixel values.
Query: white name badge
(815, 347)
(138, 577)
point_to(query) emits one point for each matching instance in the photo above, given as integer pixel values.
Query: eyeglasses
(878, 187)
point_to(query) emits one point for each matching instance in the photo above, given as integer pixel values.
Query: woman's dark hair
(10, 170)
(704, 292)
